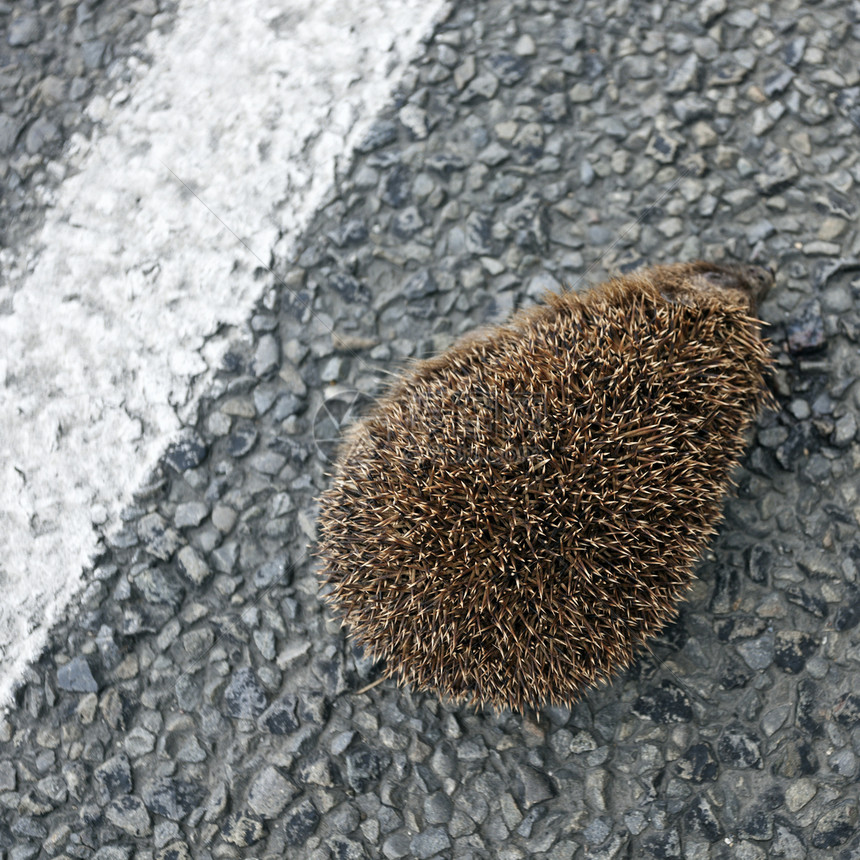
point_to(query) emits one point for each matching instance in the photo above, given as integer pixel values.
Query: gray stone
(265, 642)
(28, 827)
(596, 832)
(188, 453)
(481, 88)
(280, 718)
(846, 709)
(190, 514)
(93, 52)
(242, 829)
(7, 776)
(533, 787)
(667, 703)
(748, 851)
(129, 814)
(173, 798)
(710, 10)
(346, 849)
(845, 430)
(799, 793)
(54, 788)
(698, 764)
(396, 845)
(191, 565)
(197, 642)
(300, 822)
(758, 653)
(268, 462)
(806, 330)
(494, 154)
(419, 285)
(77, 677)
(114, 776)
(113, 852)
(40, 135)
(478, 234)
(780, 171)
(380, 134)
(554, 107)
(244, 697)
(264, 322)
(775, 718)
(764, 119)
(690, 108)
(472, 749)
(509, 69)
(224, 518)
(396, 193)
(363, 768)
(836, 826)
(191, 751)
(793, 51)
(24, 30)
(739, 747)
(683, 77)
(581, 93)
(153, 583)
(663, 846)
(415, 121)
(844, 762)
(159, 539)
(317, 770)
(525, 46)
(662, 148)
(837, 299)
(224, 558)
(465, 72)
(267, 356)
(10, 128)
(495, 830)
(332, 368)
(438, 808)
(792, 649)
(270, 793)
(139, 741)
(777, 82)
(701, 820)
(241, 441)
(429, 842)
(344, 818)
(786, 845)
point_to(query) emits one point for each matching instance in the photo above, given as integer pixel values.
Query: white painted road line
(250, 102)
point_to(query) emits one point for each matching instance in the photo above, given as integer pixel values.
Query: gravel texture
(117, 314)
(54, 56)
(201, 703)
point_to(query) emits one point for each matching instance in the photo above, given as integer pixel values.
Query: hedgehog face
(753, 282)
(743, 285)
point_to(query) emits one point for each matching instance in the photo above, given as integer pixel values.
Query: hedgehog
(517, 516)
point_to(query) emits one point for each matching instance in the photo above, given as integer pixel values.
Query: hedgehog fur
(519, 514)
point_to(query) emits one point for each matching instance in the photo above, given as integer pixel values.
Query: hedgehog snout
(759, 280)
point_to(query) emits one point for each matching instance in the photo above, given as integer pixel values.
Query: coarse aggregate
(200, 702)
(54, 56)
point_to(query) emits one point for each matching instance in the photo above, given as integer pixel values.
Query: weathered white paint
(250, 102)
